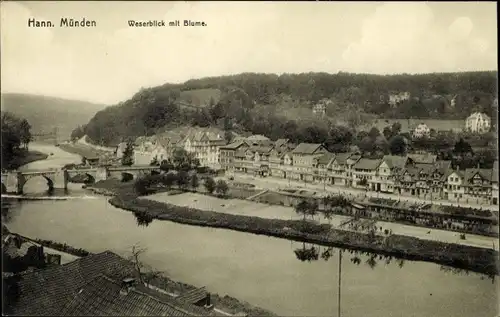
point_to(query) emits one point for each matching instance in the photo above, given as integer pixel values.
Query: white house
(422, 130)
(478, 122)
(454, 188)
(394, 99)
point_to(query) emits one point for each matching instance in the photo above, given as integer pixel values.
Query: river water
(261, 270)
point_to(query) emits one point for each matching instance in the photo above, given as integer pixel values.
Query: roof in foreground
(48, 291)
(102, 297)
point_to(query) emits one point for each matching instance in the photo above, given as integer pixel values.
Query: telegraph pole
(340, 281)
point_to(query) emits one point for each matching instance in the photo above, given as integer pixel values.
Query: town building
(478, 123)
(478, 189)
(454, 189)
(226, 154)
(387, 172)
(303, 160)
(205, 145)
(149, 149)
(364, 174)
(421, 131)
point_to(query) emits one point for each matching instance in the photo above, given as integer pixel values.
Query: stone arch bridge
(14, 181)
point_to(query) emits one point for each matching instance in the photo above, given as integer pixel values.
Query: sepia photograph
(253, 158)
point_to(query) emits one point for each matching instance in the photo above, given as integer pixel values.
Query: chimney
(127, 285)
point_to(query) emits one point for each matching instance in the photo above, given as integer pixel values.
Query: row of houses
(420, 175)
(203, 143)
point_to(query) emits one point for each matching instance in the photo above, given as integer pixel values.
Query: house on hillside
(478, 123)
(396, 98)
(421, 131)
(319, 109)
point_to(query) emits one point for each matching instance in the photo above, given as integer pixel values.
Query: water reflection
(311, 252)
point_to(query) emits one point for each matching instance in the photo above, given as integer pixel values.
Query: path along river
(261, 270)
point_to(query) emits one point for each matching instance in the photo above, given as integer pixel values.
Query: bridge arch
(4, 188)
(85, 178)
(49, 182)
(127, 177)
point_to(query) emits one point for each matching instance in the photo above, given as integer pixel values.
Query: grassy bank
(460, 256)
(26, 157)
(455, 255)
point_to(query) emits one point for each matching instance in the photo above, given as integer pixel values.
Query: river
(261, 270)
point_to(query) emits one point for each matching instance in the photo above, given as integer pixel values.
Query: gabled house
(338, 169)
(205, 145)
(226, 154)
(260, 157)
(365, 172)
(454, 189)
(390, 166)
(303, 160)
(320, 165)
(478, 187)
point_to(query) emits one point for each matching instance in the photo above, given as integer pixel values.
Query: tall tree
(128, 154)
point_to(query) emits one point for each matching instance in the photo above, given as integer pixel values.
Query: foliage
(16, 136)
(128, 155)
(169, 179)
(166, 165)
(266, 103)
(194, 182)
(183, 179)
(183, 160)
(209, 184)
(397, 145)
(78, 133)
(221, 187)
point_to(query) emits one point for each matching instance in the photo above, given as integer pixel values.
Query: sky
(109, 63)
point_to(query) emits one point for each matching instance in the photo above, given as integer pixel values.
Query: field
(199, 97)
(409, 124)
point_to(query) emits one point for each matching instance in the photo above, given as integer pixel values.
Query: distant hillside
(281, 106)
(44, 113)
(199, 97)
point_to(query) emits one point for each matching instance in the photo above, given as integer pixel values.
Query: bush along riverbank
(460, 256)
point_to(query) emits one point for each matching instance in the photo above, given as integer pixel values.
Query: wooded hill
(280, 106)
(44, 113)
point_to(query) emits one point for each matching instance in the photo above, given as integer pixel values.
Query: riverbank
(476, 259)
(26, 157)
(165, 285)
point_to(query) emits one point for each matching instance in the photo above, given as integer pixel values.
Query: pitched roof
(281, 142)
(367, 164)
(423, 158)
(48, 291)
(484, 173)
(325, 159)
(458, 172)
(341, 158)
(233, 145)
(102, 297)
(261, 149)
(307, 148)
(394, 161)
(45, 291)
(193, 296)
(257, 137)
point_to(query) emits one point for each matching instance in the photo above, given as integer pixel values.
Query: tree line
(244, 99)
(16, 136)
